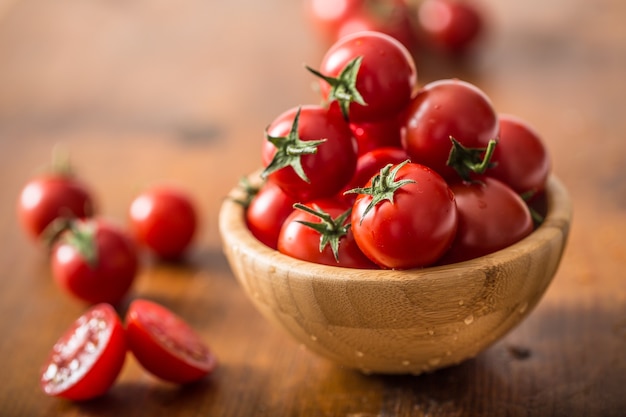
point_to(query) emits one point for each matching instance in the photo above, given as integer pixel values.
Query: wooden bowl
(390, 321)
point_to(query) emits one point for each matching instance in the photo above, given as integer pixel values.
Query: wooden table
(148, 91)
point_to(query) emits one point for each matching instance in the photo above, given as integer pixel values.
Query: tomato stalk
(466, 161)
(383, 186)
(249, 191)
(330, 230)
(343, 88)
(82, 237)
(289, 150)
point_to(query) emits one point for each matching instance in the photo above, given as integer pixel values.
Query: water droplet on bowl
(469, 319)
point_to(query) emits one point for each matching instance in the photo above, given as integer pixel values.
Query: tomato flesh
(165, 344)
(87, 359)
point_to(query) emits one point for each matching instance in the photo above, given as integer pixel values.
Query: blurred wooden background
(146, 91)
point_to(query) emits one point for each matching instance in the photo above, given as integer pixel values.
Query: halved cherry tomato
(50, 197)
(164, 219)
(95, 261)
(87, 359)
(165, 345)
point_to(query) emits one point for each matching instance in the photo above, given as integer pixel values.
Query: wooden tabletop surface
(140, 92)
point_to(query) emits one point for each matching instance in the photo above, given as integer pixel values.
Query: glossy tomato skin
(416, 229)
(369, 164)
(386, 79)
(379, 134)
(327, 170)
(520, 159)
(165, 345)
(445, 108)
(46, 198)
(105, 277)
(302, 242)
(85, 362)
(451, 26)
(491, 217)
(267, 212)
(164, 219)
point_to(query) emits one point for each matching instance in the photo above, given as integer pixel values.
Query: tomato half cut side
(85, 362)
(165, 345)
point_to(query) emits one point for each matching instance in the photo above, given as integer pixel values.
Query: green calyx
(81, 236)
(343, 88)
(249, 191)
(289, 150)
(384, 186)
(330, 230)
(467, 161)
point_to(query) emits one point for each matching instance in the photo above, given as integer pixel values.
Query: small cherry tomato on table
(50, 197)
(164, 219)
(95, 261)
(85, 362)
(165, 345)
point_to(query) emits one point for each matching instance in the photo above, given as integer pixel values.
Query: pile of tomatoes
(96, 261)
(451, 27)
(386, 174)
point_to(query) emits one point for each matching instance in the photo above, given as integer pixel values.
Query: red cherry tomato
(164, 219)
(267, 212)
(85, 362)
(369, 164)
(385, 78)
(165, 345)
(301, 241)
(450, 25)
(328, 15)
(491, 217)
(95, 261)
(520, 159)
(444, 109)
(383, 133)
(407, 218)
(326, 167)
(49, 197)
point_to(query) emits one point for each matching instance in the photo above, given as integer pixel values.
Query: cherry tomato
(450, 25)
(267, 212)
(377, 76)
(491, 217)
(444, 109)
(95, 261)
(50, 197)
(164, 219)
(309, 152)
(299, 240)
(369, 164)
(165, 345)
(383, 133)
(85, 362)
(328, 15)
(405, 217)
(520, 159)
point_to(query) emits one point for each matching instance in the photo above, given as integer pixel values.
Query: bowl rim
(234, 231)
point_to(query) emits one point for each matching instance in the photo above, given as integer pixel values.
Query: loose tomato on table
(164, 219)
(86, 360)
(94, 260)
(56, 195)
(309, 152)
(520, 159)
(446, 109)
(320, 232)
(371, 76)
(165, 345)
(491, 216)
(405, 217)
